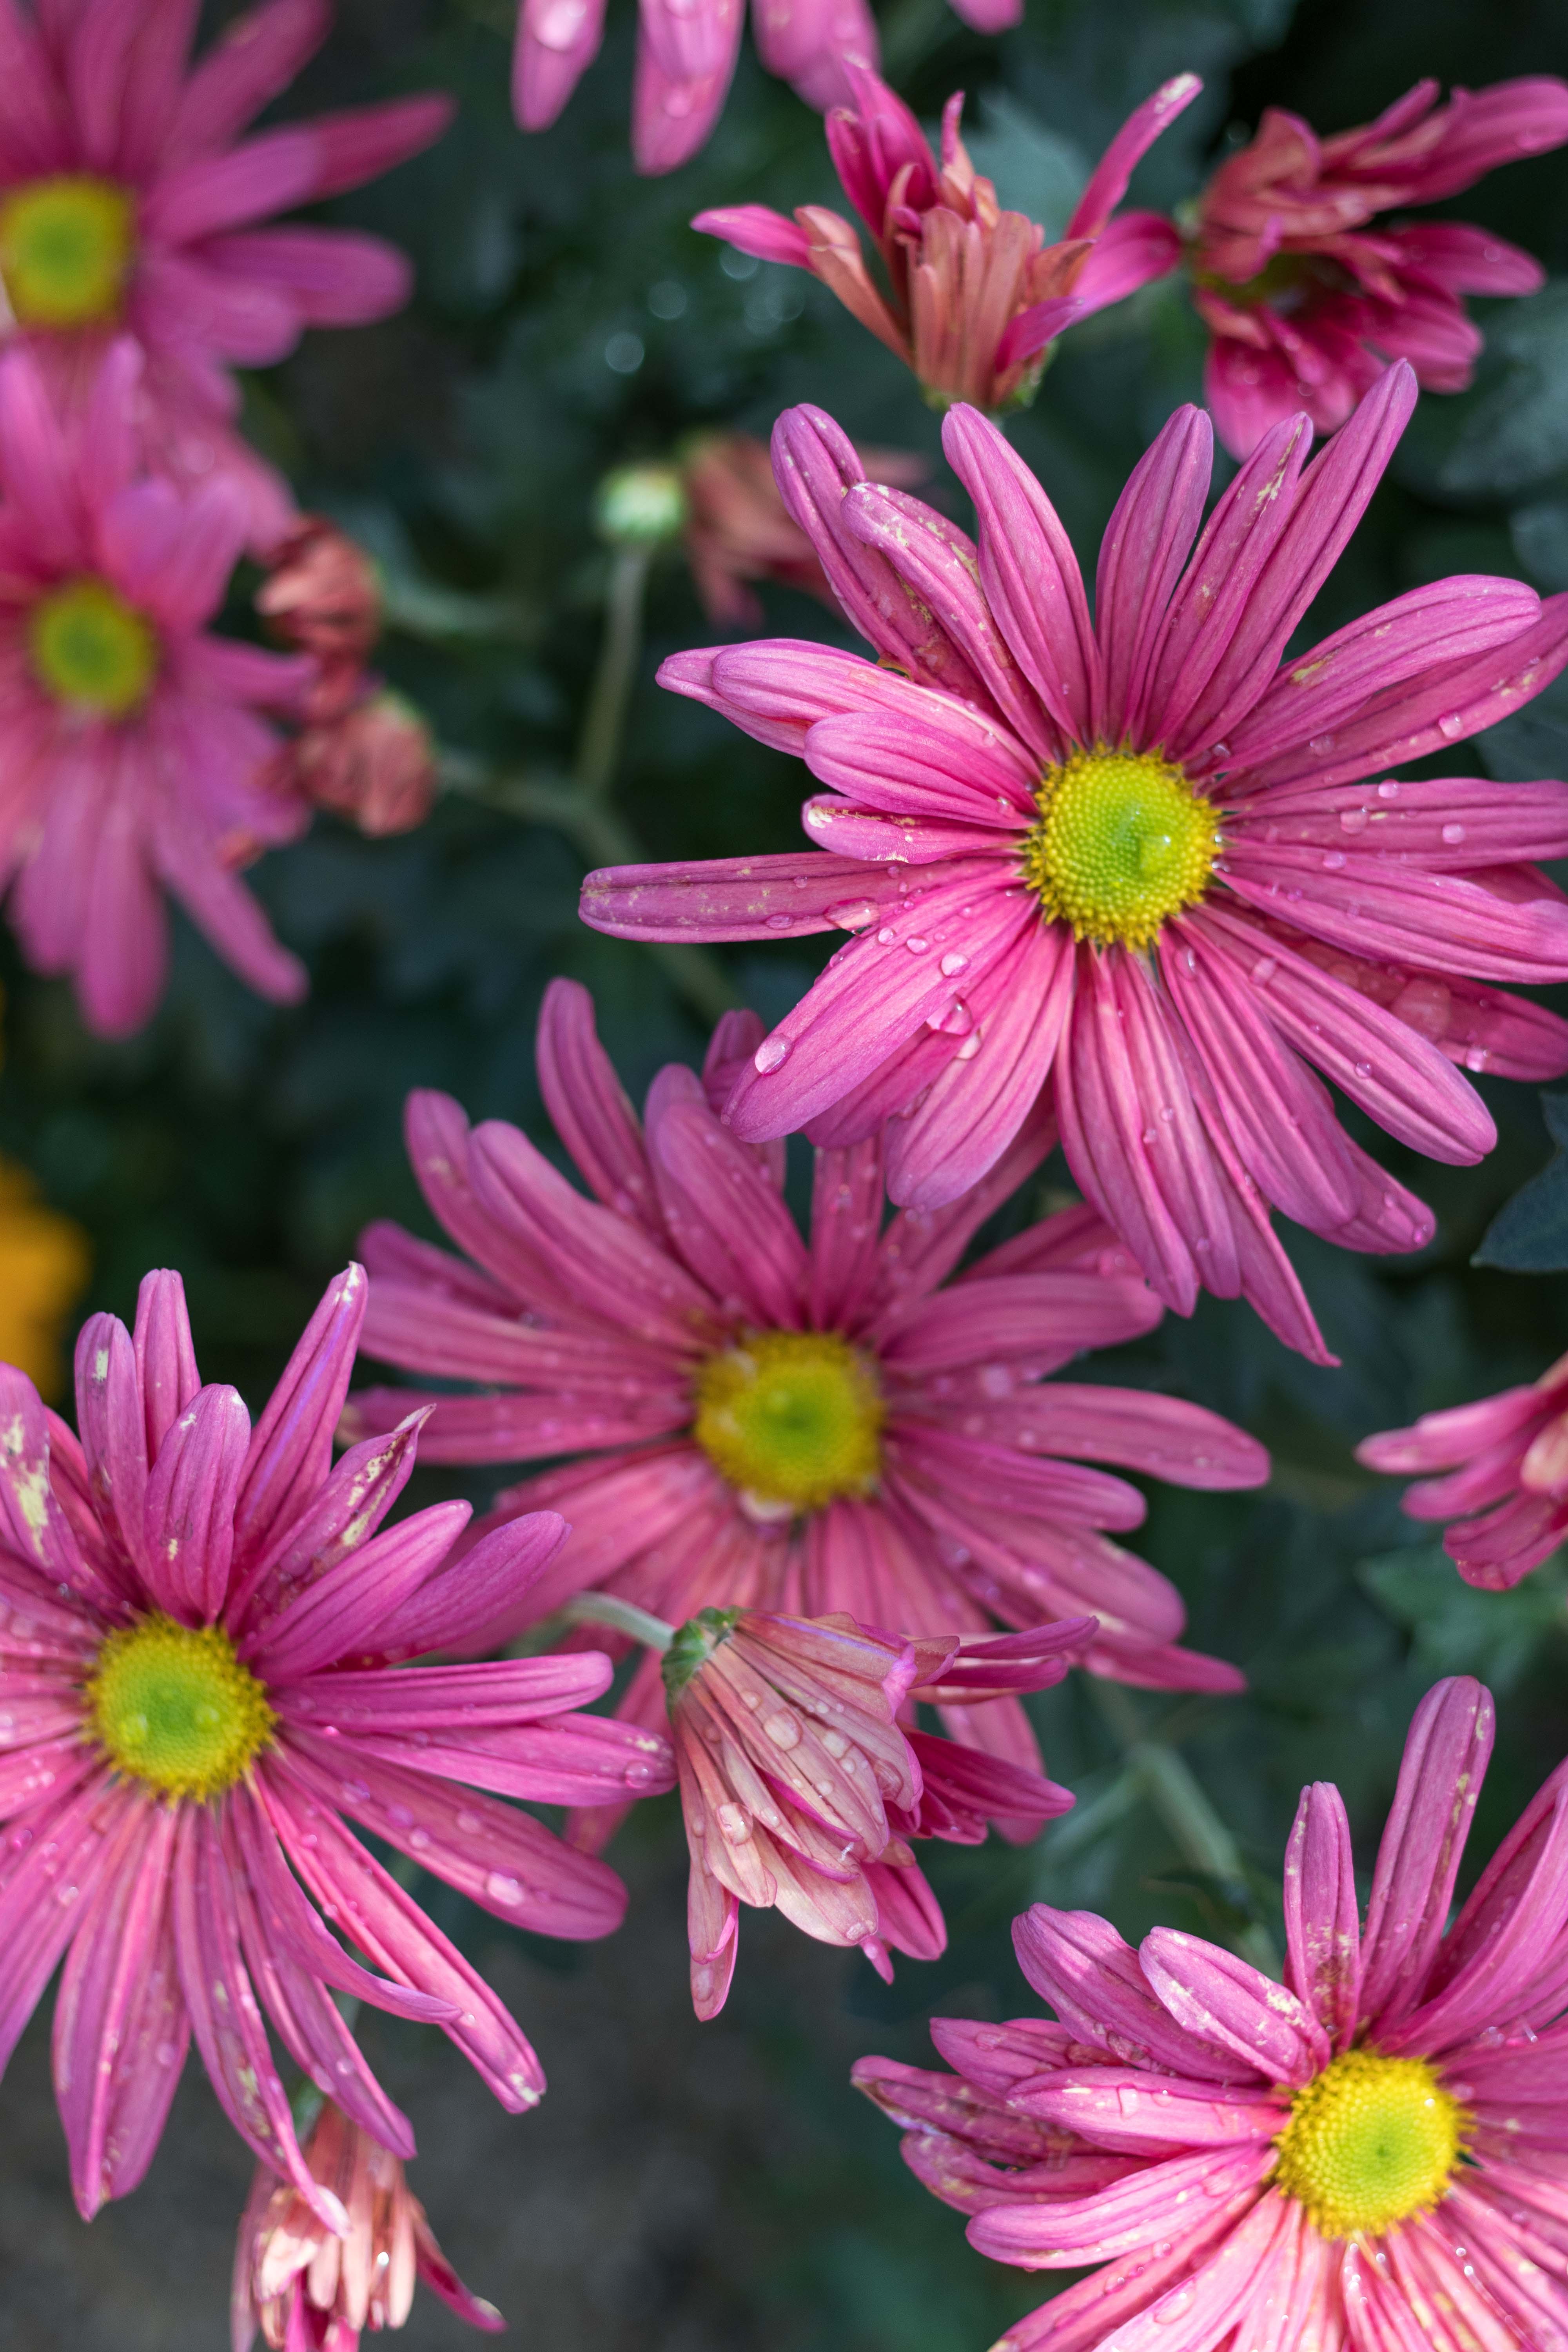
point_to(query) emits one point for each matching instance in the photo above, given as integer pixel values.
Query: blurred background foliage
(719, 2186)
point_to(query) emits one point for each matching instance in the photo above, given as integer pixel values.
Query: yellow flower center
(173, 1707)
(92, 648)
(66, 247)
(1122, 843)
(1371, 2141)
(791, 1417)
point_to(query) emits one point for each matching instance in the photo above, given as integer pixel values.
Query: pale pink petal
(483, 1598)
(983, 1320)
(556, 40)
(1214, 1994)
(587, 1104)
(723, 1217)
(1131, 2215)
(1400, 914)
(1092, 1980)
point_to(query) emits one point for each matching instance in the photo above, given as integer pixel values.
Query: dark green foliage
(249, 1147)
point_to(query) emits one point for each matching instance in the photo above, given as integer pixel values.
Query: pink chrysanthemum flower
(800, 1786)
(199, 1626)
(1365, 2158)
(1506, 1460)
(133, 745)
(687, 51)
(308, 2290)
(818, 1426)
(1309, 293)
(129, 204)
(976, 296)
(1141, 859)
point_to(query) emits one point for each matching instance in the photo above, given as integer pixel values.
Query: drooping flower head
(1309, 293)
(1365, 2158)
(129, 204)
(801, 1786)
(308, 2290)
(1141, 862)
(1504, 1482)
(687, 51)
(362, 751)
(975, 296)
(133, 744)
(199, 1625)
(816, 1426)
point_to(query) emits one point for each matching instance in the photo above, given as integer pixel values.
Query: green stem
(1174, 1791)
(604, 724)
(622, 1616)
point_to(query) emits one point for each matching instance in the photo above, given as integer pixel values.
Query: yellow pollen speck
(172, 1707)
(792, 1418)
(1122, 843)
(1371, 2141)
(65, 249)
(91, 648)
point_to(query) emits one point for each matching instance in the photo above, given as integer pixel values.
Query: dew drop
(502, 1888)
(1453, 835)
(771, 1055)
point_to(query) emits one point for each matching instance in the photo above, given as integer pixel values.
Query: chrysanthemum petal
(1322, 1918)
(1446, 1754)
(291, 1448)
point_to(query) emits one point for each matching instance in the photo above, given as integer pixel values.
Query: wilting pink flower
(687, 51)
(1308, 295)
(976, 296)
(739, 529)
(129, 204)
(772, 1423)
(321, 597)
(800, 1786)
(308, 2290)
(133, 743)
(1506, 1485)
(1136, 858)
(198, 1628)
(1365, 2158)
(375, 765)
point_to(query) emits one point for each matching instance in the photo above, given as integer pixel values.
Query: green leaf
(1529, 1234)
(1455, 1629)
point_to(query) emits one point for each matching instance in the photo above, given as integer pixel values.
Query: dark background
(710, 2187)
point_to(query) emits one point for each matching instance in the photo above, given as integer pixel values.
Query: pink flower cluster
(1367, 2158)
(1142, 869)
(1309, 293)
(139, 752)
(819, 1427)
(200, 1628)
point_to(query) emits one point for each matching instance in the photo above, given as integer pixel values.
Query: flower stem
(604, 724)
(1174, 1791)
(622, 1616)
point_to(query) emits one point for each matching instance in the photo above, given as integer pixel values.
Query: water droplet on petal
(771, 1055)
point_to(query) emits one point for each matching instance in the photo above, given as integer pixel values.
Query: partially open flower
(322, 596)
(974, 295)
(1506, 1484)
(310, 2290)
(1309, 294)
(375, 765)
(802, 1776)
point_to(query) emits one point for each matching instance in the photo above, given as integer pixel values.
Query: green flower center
(1371, 2141)
(66, 247)
(791, 1417)
(1122, 843)
(90, 647)
(173, 1707)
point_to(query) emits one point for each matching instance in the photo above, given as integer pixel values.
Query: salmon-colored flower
(1143, 864)
(1368, 2158)
(129, 205)
(803, 1776)
(322, 596)
(307, 2288)
(975, 296)
(1308, 290)
(1504, 1482)
(204, 1636)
